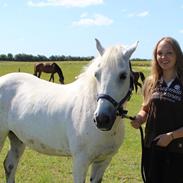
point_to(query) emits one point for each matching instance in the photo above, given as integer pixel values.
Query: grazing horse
(77, 119)
(136, 76)
(49, 68)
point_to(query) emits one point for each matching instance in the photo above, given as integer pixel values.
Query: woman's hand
(136, 123)
(139, 119)
(164, 139)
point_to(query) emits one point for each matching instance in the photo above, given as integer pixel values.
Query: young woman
(162, 109)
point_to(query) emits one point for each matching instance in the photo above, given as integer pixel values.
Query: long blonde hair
(156, 70)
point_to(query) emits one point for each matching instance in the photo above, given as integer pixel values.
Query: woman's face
(166, 56)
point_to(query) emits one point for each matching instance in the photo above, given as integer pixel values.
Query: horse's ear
(100, 48)
(130, 50)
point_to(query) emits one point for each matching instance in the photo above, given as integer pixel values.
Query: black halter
(119, 105)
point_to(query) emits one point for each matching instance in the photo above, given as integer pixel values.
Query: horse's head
(61, 80)
(113, 83)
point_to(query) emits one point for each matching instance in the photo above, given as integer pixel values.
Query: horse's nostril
(103, 122)
(102, 119)
(95, 120)
(105, 119)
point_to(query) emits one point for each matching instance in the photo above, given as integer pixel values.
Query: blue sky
(69, 27)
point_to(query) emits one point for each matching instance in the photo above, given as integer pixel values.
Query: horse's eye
(97, 74)
(122, 76)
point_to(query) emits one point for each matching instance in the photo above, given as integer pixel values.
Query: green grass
(39, 168)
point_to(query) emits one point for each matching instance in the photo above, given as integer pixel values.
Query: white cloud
(68, 3)
(83, 15)
(181, 31)
(141, 14)
(96, 20)
(124, 10)
(3, 4)
(131, 15)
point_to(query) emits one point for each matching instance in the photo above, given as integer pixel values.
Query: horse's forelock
(110, 58)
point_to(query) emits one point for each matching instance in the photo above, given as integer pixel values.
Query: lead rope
(142, 156)
(144, 178)
(124, 115)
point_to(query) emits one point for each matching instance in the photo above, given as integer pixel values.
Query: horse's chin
(108, 128)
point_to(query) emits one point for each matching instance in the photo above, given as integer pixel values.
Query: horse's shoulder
(38, 64)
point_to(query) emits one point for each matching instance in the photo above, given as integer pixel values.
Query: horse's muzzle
(61, 81)
(104, 121)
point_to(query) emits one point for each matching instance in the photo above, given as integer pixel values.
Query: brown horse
(136, 76)
(49, 68)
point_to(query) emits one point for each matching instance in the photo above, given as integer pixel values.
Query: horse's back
(34, 114)
(13, 81)
(24, 87)
(45, 67)
(11, 76)
(15, 85)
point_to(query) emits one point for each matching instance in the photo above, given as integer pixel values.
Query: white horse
(59, 119)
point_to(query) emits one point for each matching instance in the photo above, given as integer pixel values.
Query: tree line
(28, 57)
(32, 58)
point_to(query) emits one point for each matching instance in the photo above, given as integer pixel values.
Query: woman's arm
(142, 114)
(177, 133)
(140, 118)
(164, 139)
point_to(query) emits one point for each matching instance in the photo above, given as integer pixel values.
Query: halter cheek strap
(119, 105)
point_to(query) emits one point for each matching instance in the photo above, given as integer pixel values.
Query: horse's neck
(87, 90)
(59, 72)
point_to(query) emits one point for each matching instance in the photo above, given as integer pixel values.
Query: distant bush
(32, 58)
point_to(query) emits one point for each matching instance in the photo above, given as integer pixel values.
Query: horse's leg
(98, 169)
(142, 77)
(13, 157)
(52, 77)
(138, 84)
(136, 88)
(39, 75)
(80, 168)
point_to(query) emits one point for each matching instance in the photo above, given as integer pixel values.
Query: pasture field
(38, 168)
